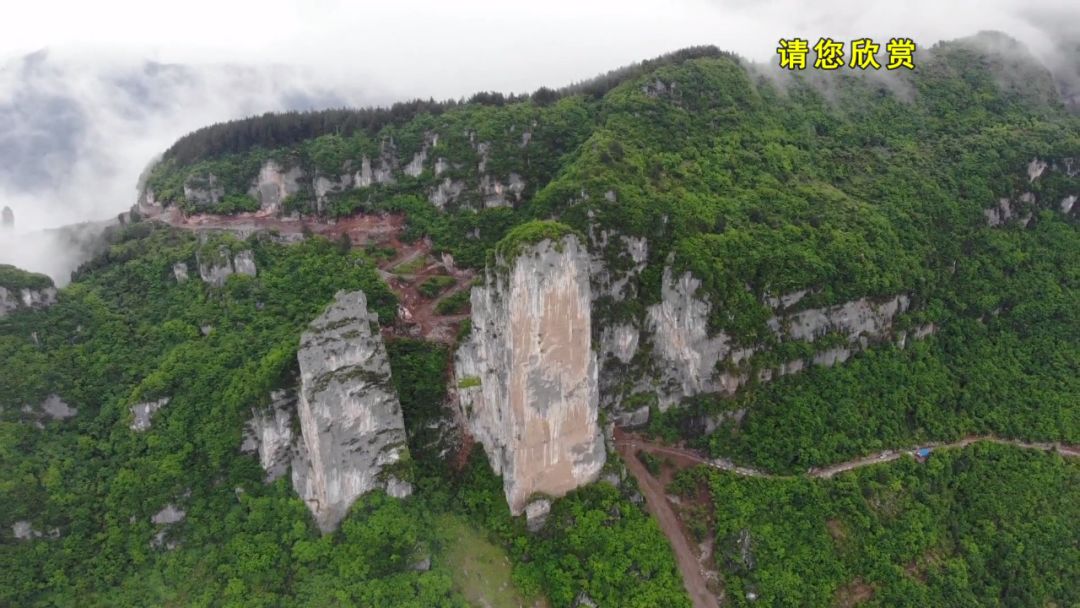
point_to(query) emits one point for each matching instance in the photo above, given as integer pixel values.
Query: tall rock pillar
(527, 375)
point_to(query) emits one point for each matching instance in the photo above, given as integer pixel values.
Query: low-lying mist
(74, 136)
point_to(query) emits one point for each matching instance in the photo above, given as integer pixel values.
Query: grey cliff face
(687, 356)
(273, 185)
(1022, 207)
(350, 417)
(527, 377)
(204, 190)
(12, 300)
(142, 414)
(54, 407)
(216, 269)
(270, 434)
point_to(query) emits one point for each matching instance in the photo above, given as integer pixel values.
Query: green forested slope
(848, 186)
(987, 525)
(128, 332)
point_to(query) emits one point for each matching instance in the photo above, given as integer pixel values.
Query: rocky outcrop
(1000, 213)
(686, 354)
(54, 407)
(618, 260)
(496, 194)
(270, 434)
(1036, 168)
(169, 514)
(862, 317)
(619, 341)
(353, 433)
(690, 361)
(143, 413)
(24, 530)
(383, 173)
(203, 190)
(217, 268)
(244, 263)
(786, 300)
(274, 184)
(51, 408)
(25, 298)
(616, 264)
(527, 376)
(165, 519)
(1021, 208)
(7, 218)
(325, 186)
(447, 191)
(180, 272)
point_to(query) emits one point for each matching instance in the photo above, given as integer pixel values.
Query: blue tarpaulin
(922, 452)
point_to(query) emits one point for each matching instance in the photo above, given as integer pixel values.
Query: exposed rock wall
(281, 178)
(274, 184)
(12, 299)
(270, 434)
(54, 407)
(180, 272)
(352, 429)
(853, 319)
(203, 190)
(1020, 208)
(685, 353)
(689, 361)
(142, 414)
(216, 269)
(527, 375)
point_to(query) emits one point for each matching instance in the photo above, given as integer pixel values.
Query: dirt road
(637, 443)
(417, 314)
(657, 504)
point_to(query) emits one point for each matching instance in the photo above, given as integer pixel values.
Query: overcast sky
(446, 48)
(82, 113)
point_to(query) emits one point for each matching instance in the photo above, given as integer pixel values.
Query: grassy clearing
(481, 570)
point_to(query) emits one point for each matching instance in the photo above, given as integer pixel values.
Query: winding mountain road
(657, 502)
(636, 443)
(417, 314)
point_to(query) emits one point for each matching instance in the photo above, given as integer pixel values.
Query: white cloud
(440, 49)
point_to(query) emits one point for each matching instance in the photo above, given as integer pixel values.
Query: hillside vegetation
(844, 185)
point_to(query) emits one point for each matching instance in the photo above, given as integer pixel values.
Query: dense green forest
(127, 332)
(1003, 361)
(848, 186)
(987, 525)
(842, 184)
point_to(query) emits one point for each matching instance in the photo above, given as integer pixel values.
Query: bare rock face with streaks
(527, 376)
(270, 434)
(274, 184)
(14, 297)
(353, 433)
(688, 358)
(216, 268)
